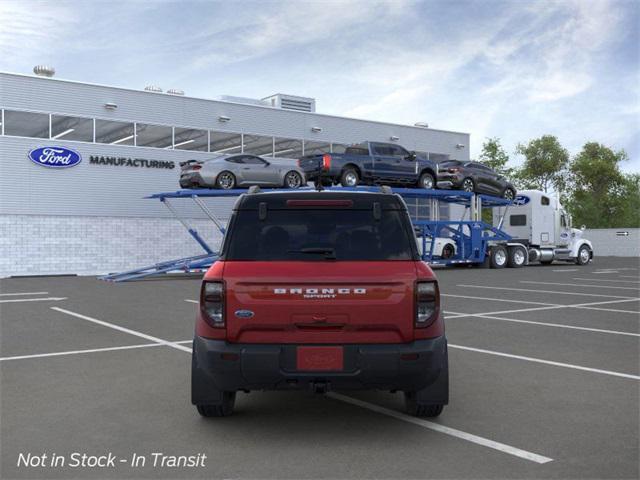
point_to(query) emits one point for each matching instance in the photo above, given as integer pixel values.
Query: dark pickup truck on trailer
(371, 163)
(320, 290)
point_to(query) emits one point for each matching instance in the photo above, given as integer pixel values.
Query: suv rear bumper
(221, 366)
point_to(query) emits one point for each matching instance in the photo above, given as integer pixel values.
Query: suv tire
(468, 185)
(223, 409)
(509, 194)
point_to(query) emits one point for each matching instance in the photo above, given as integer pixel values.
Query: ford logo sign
(521, 200)
(55, 157)
(244, 313)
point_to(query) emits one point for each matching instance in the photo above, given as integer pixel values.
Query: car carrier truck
(532, 228)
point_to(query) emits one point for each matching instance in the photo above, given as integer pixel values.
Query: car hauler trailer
(468, 241)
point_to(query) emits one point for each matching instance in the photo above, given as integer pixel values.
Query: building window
(258, 145)
(114, 133)
(315, 148)
(190, 139)
(157, 136)
(71, 128)
(287, 148)
(26, 124)
(225, 143)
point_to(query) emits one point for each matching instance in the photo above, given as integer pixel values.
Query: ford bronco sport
(319, 290)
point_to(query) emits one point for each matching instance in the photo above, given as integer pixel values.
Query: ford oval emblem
(55, 157)
(521, 200)
(244, 313)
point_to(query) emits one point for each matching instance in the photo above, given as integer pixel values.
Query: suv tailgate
(347, 302)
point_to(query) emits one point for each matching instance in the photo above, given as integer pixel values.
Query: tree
(600, 195)
(494, 156)
(545, 164)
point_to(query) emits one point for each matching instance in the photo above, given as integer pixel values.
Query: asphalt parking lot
(544, 365)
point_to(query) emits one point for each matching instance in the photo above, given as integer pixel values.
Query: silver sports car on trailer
(241, 170)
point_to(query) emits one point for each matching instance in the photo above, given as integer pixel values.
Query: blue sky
(514, 70)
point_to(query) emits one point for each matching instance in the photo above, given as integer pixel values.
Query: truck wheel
(427, 181)
(349, 178)
(517, 257)
(498, 257)
(584, 255)
(418, 409)
(223, 409)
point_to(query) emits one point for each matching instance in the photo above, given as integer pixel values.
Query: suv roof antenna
(254, 189)
(385, 189)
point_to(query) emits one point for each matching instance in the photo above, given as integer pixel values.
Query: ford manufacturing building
(93, 218)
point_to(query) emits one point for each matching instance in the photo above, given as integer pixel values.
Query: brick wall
(47, 245)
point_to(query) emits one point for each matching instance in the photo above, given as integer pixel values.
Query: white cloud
(292, 23)
(32, 28)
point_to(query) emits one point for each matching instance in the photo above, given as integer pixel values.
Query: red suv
(320, 290)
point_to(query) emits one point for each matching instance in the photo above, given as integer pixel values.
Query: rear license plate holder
(319, 359)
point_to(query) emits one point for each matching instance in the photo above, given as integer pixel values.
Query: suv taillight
(212, 303)
(427, 303)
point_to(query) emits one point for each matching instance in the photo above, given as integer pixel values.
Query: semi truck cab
(538, 221)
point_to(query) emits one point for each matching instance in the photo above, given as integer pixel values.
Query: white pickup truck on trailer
(538, 222)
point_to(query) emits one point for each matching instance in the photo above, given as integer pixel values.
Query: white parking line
(581, 285)
(547, 362)
(91, 350)
(566, 270)
(544, 324)
(530, 290)
(588, 306)
(628, 276)
(498, 299)
(191, 301)
(123, 329)
(604, 280)
(23, 293)
(469, 437)
(20, 300)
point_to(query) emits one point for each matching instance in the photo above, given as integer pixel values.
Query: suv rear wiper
(329, 253)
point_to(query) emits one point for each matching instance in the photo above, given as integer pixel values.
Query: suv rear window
(313, 234)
